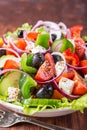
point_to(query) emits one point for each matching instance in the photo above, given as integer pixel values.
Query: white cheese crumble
(38, 49)
(13, 94)
(66, 85)
(30, 45)
(59, 67)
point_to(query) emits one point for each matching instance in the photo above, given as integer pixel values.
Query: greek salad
(44, 67)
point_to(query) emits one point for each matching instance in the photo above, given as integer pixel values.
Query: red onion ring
(76, 68)
(9, 49)
(9, 70)
(68, 33)
(5, 40)
(61, 24)
(38, 24)
(71, 97)
(16, 48)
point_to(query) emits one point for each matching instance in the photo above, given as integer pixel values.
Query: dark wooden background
(13, 13)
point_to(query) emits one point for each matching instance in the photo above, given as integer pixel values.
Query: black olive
(20, 33)
(37, 60)
(57, 58)
(54, 36)
(45, 91)
(2, 52)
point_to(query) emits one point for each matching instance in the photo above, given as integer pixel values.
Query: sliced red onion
(76, 68)
(11, 50)
(54, 78)
(62, 27)
(24, 34)
(51, 25)
(83, 46)
(47, 51)
(38, 24)
(58, 46)
(5, 40)
(9, 70)
(71, 97)
(16, 48)
(68, 33)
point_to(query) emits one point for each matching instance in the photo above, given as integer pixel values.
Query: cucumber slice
(9, 80)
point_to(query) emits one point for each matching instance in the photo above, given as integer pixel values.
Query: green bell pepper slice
(27, 84)
(43, 40)
(25, 67)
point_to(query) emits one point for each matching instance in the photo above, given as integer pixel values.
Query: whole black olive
(20, 34)
(45, 91)
(37, 60)
(54, 36)
(2, 52)
(57, 58)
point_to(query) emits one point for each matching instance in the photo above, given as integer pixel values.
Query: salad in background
(44, 67)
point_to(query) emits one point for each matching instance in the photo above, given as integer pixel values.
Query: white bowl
(45, 113)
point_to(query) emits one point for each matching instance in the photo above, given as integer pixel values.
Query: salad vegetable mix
(44, 67)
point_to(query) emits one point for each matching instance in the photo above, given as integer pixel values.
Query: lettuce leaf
(80, 103)
(32, 106)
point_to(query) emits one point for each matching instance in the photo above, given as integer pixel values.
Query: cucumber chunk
(9, 80)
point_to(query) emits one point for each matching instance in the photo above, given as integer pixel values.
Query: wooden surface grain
(13, 13)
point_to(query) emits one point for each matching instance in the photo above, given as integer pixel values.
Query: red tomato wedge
(32, 35)
(70, 75)
(80, 86)
(47, 69)
(83, 63)
(20, 43)
(11, 64)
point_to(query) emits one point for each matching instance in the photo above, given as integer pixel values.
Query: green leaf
(80, 103)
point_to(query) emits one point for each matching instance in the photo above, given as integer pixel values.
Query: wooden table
(13, 13)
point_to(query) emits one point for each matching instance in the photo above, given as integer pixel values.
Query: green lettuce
(80, 103)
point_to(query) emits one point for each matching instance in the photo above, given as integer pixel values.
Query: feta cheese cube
(13, 94)
(59, 67)
(66, 85)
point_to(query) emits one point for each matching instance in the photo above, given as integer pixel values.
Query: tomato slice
(32, 35)
(83, 63)
(80, 89)
(11, 64)
(80, 86)
(9, 52)
(69, 74)
(47, 69)
(20, 43)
